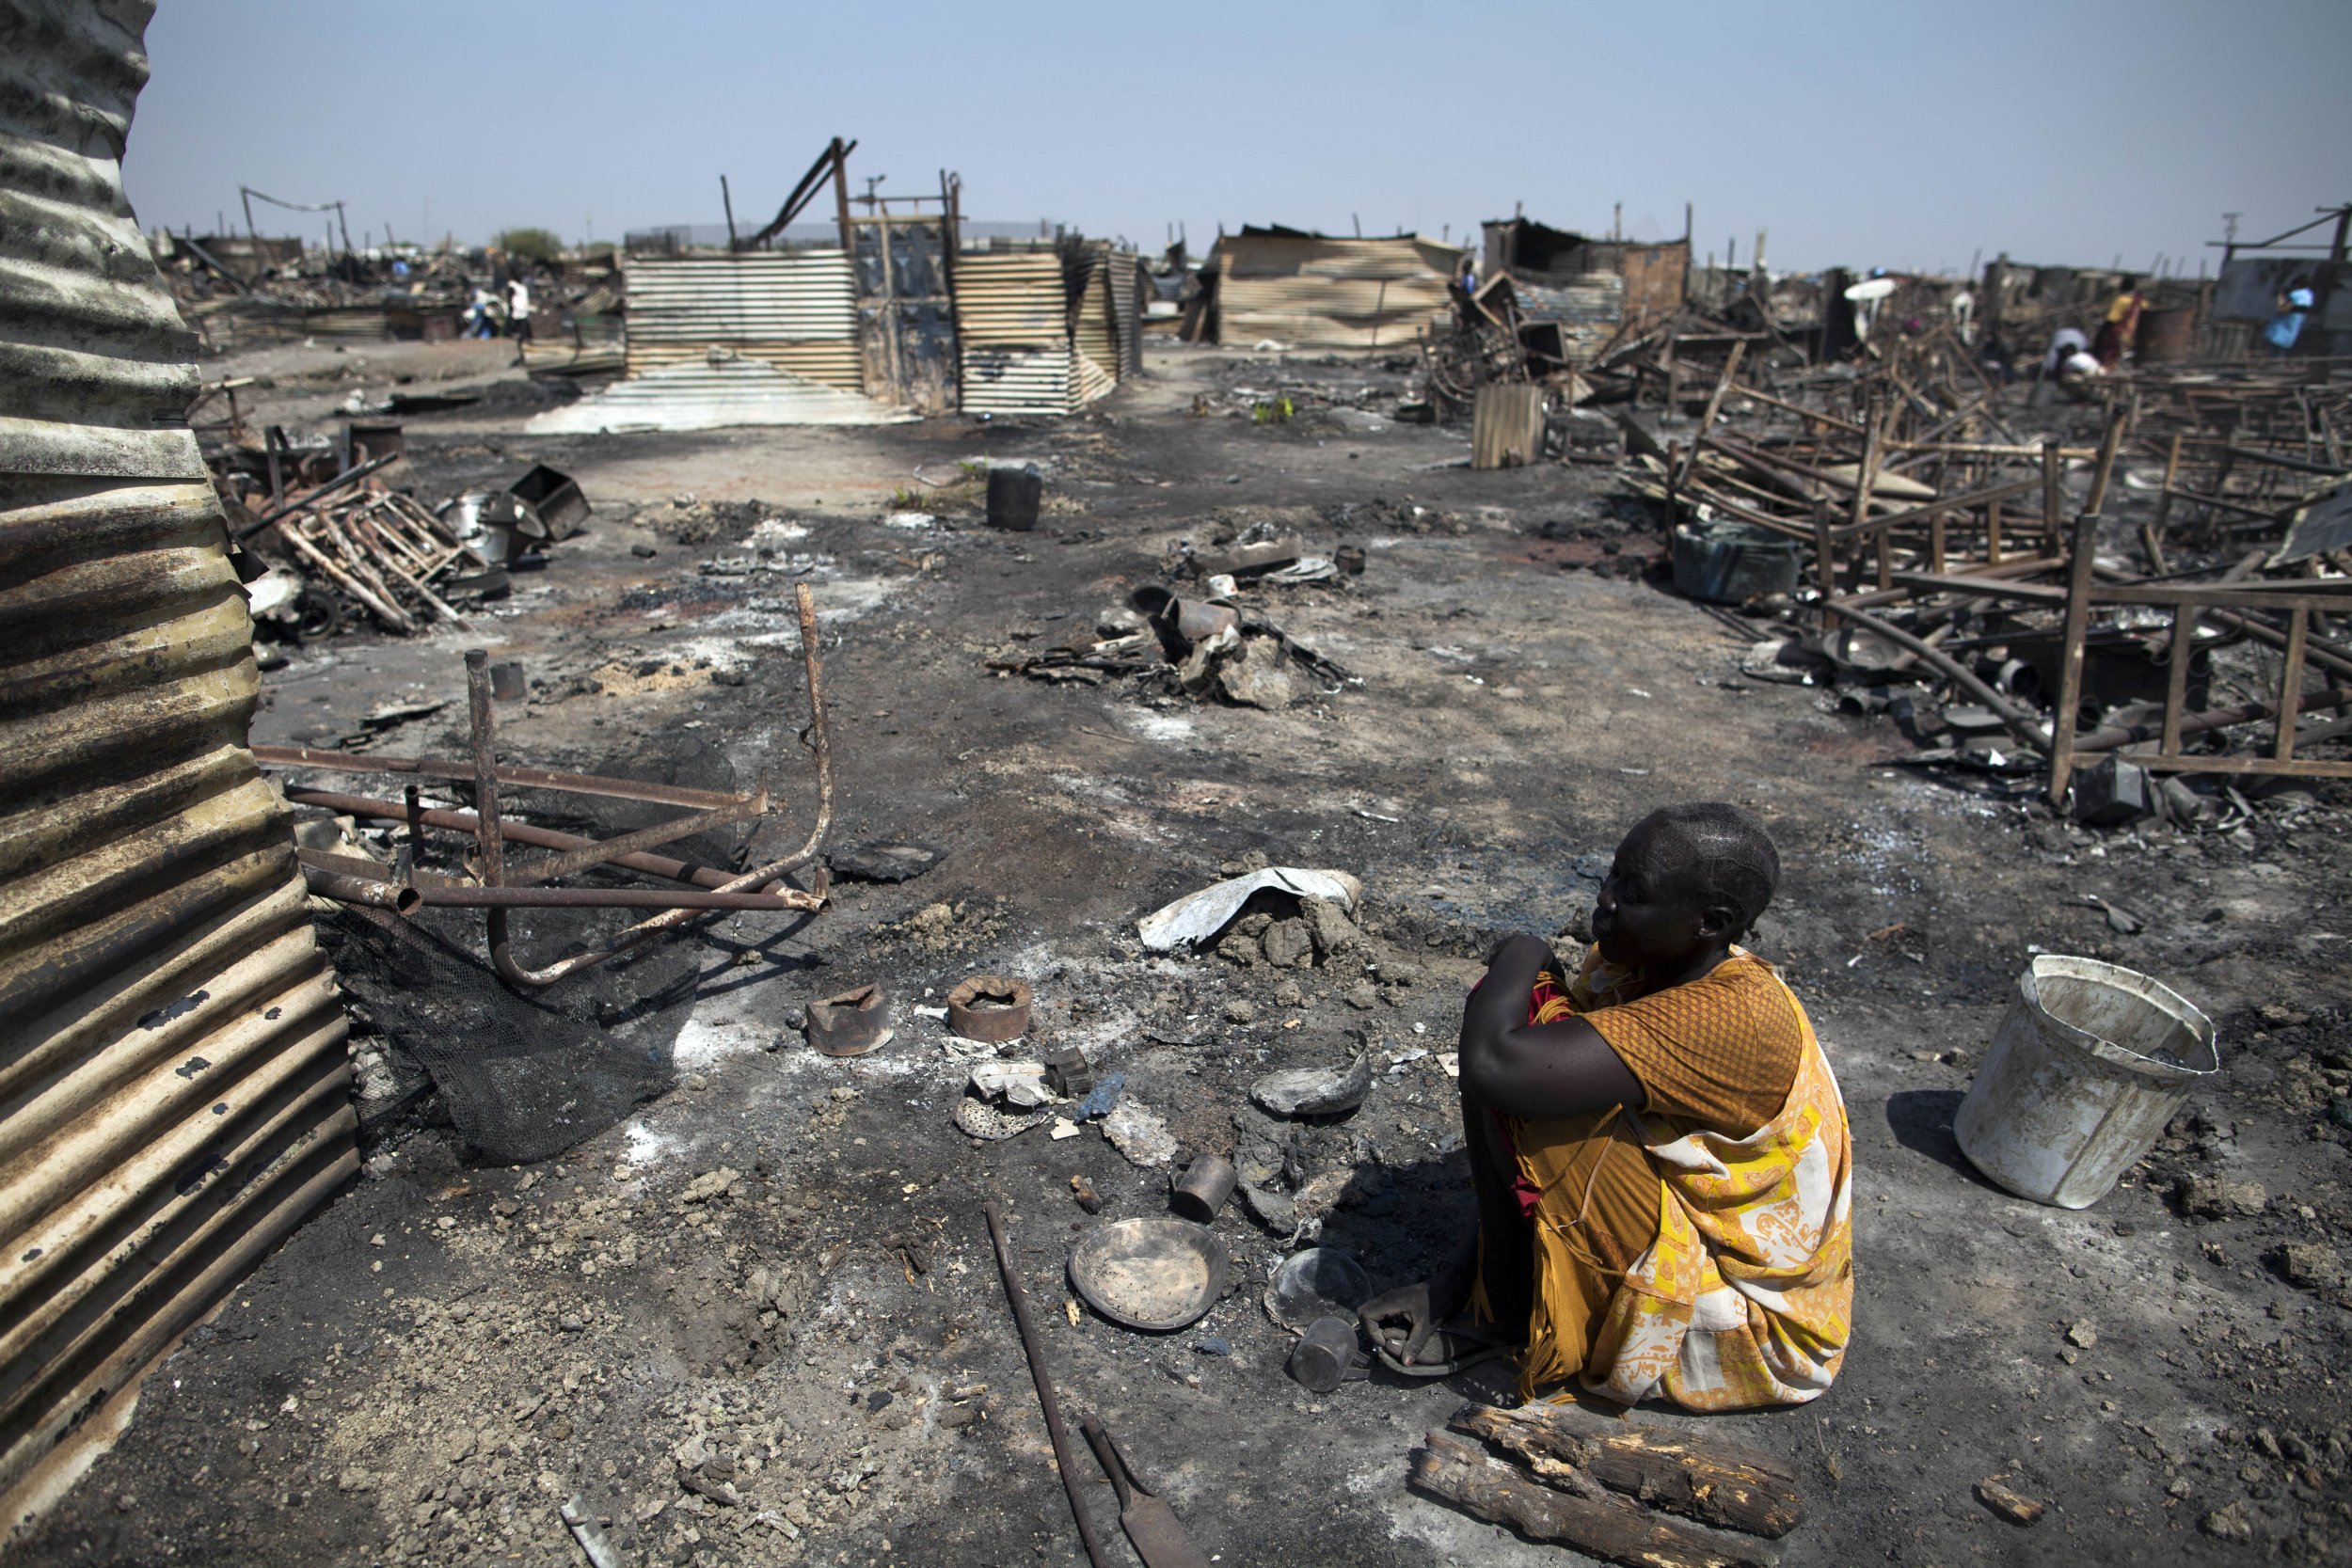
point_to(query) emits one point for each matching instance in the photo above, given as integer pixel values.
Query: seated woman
(1659, 1150)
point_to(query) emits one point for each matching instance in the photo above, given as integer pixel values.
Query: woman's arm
(1535, 1069)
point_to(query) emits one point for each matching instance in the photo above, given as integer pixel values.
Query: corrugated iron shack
(173, 1090)
(1320, 292)
(1046, 331)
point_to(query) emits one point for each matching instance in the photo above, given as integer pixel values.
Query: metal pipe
(2014, 719)
(489, 845)
(502, 944)
(514, 832)
(359, 890)
(510, 775)
(392, 895)
(1038, 1374)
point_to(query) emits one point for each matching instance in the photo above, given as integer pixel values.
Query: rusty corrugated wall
(173, 1090)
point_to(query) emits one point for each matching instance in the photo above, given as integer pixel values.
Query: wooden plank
(1714, 407)
(2176, 674)
(2291, 685)
(2297, 768)
(2070, 692)
(1967, 501)
(2053, 497)
(1598, 1523)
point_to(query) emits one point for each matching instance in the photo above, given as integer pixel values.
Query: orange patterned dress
(1701, 1248)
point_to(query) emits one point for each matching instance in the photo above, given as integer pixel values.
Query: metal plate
(1157, 1275)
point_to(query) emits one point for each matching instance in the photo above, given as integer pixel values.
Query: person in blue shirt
(2287, 325)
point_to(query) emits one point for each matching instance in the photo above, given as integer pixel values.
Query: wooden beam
(2070, 692)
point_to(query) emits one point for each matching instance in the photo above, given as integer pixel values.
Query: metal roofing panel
(1018, 300)
(804, 296)
(174, 1086)
(718, 391)
(1017, 380)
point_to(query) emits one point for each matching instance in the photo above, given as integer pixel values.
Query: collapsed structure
(1296, 288)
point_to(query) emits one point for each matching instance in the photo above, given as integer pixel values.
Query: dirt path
(756, 1320)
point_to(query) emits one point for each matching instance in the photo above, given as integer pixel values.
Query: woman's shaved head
(1716, 854)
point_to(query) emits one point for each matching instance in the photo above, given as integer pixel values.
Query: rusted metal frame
(547, 868)
(418, 816)
(350, 888)
(2064, 716)
(502, 944)
(508, 774)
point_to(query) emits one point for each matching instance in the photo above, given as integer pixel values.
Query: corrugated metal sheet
(1016, 300)
(1017, 380)
(173, 1091)
(832, 364)
(715, 391)
(1312, 292)
(1127, 312)
(1091, 330)
(754, 303)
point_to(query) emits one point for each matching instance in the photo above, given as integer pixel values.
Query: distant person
(2120, 332)
(2067, 340)
(479, 314)
(2285, 327)
(1995, 359)
(2077, 372)
(1468, 280)
(519, 308)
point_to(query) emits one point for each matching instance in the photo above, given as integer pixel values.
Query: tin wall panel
(173, 1090)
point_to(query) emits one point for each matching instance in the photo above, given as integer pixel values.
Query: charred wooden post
(1703, 1479)
(1598, 1523)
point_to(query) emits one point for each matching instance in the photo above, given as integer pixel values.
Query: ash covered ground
(754, 1317)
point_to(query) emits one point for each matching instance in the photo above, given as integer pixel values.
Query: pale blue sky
(1902, 134)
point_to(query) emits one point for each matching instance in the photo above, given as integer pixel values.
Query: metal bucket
(2090, 1065)
(1732, 562)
